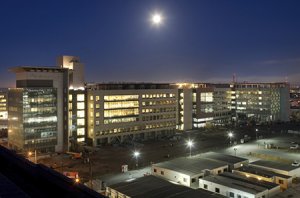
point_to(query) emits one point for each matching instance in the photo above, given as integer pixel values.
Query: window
(193, 180)
(231, 194)
(280, 181)
(162, 172)
(80, 131)
(184, 179)
(155, 170)
(239, 196)
(219, 171)
(217, 190)
(205, 186)
(263, 196)
(80, 97)
(97, 98)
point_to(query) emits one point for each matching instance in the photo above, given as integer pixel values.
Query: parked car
(295, 163)
(295, 146)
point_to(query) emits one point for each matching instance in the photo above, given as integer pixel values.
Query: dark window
(280, 181)
(200, 177)
(155, 170)
(239, 196)
(231, 194)
(263, 196)
(217, 190)
(162, 172)
(193, 180)
(205, 186)
(219, 171)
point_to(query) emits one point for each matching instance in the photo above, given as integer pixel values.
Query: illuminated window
(80, 139)
(80, 105)
(80, 122)
(121, 97)
(206, 97)
(91, 97)
(121, 104)
(80, 97)
(70, 97)
(80, 114)
(97, 114)
(97, 98)
(97, 106)
(80, 131)
(121, 112)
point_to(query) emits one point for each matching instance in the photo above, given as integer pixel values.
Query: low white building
(153, 187)
(234, 186)
(281, 168)
(232, 161)
(284, 181)
(187, 170)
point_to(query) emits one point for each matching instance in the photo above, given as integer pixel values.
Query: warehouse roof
(235, 184)
(151, 186)
(274, 165)
(261, 172)
(230, 159)
(191, 165)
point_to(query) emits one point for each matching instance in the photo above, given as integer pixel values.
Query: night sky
(199, 40)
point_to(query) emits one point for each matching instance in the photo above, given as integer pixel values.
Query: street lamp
(30, 154)
(230, 135)
(235, 149)
(136, 154)
(190, 145)
(256, 130)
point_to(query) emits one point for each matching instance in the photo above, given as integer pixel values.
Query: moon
(156, 19)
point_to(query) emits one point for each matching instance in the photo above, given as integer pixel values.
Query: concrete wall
(171, 175)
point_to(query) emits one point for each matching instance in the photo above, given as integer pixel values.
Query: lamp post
(235, 149)
(256, 130)
(136, 154)
(190, 145)
(230, 135)
(30, 154)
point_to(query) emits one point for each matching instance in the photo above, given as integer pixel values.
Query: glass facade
(40, 119)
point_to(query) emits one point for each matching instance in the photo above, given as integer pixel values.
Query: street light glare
(230, 134)
(136, 154)
(190, 143)
(156, 19)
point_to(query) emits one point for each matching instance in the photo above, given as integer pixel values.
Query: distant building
(232, 161)
(133, 111)
(231, 185)
(47, 107)
(153, 187)
(187, 170)
(277, 167)
(284, 181)
(204, 104)
(3, 112)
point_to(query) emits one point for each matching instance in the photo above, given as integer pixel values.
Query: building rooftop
(235, 184)
(230, 159)
(261, 172)
(151, 186)
(128, 86)
(274, 165)
(254, 181)
(36, 69)
(191, 165)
